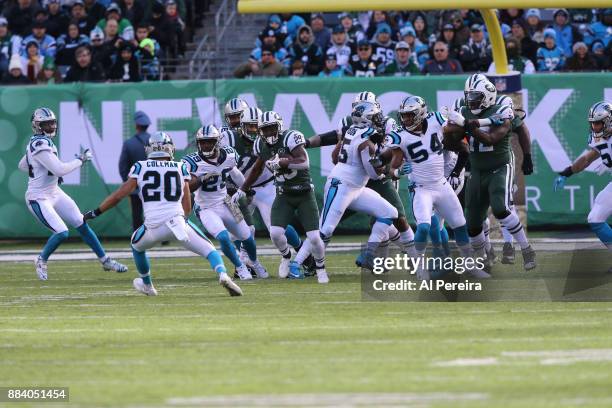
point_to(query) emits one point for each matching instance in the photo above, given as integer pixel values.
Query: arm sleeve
(365, 160)
(462, 158)
(23, 164)
(236, 176)
(329, 138)
(55, 165)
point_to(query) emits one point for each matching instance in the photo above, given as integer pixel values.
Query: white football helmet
(249, 123)
(270, 127)
(365, 96)
(601, 112)
(233, 110)
(210, 134)
(44, 122)
(412, 112)
(479, 94)
(160, 146)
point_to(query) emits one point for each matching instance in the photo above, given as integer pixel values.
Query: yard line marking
(468, 362)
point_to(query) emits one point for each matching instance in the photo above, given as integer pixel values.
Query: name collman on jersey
(214, 190)
(160, 185)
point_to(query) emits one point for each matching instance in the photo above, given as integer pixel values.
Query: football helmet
(365, 96)
(233, 110)
(249, 123)
(160, 146)
(412, 112)
(44, 122)
(479, 93)
(207, 139)
(270, 127)
(600, 116)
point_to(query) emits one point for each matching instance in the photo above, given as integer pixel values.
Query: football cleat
(508, 254)
(295, 271)
(229, 285)
(491, 256)
(322, 276)
(112, 265)
(360, 260)
(244, 258)
(310, 269)
(283, 267)
(243, 273)
(41, 268)
(260, 271)
(143, 288)
(529, 258)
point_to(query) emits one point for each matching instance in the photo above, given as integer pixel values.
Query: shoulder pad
(293, 139)
(40, 143)
(257, 146)
(191, 162)
(228, 137)
(439, 117)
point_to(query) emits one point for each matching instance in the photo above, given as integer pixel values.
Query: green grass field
(316, 345)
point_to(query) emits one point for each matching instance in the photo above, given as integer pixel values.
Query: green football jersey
(517, 122)
(285, 179)
(484, 156)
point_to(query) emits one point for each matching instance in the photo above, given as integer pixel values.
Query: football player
(491, 165)
(210, 167)
(419, 154)
(47, 201)
(346, 185)
(163, 186)
(599, 146)
(399, 232)
(232, 111)
(283, 153)
(262, 192)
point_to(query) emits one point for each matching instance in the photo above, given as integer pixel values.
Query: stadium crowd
(93, 40)
(381, 43)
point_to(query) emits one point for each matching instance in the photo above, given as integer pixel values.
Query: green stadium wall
(99, 116)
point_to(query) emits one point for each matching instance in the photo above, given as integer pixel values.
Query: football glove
(85, 156)
(497, 120)
(405, 169)
(527, 165)
(273, 164)
(454, 180)
(456, 118)
(238, 196)
(91, 214)
(204, 178)
(559, 183)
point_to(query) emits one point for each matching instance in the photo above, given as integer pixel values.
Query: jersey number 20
(172, 190)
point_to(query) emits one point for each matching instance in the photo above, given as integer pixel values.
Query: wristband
(97, 211)
(567, 172)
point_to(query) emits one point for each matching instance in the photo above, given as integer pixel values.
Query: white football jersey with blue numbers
(213, 191)
(423, 151)
(604, 148)
(41, 181)
(350, 168)
(160, 185)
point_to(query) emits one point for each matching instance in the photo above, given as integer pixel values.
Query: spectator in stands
(602, 30)
(126, 67)
(268, 38)
(45, 42)
(550, 57)
(78, 13)
(516, 62)
(161, 30)
(305, 50)
(378, 18)
(475, 56)
(581, 16)
(331, 68)
(383, 46)
(364, 63)
(509, 15)
(20, 17)
(297, 69)
(420, 51)
(419, 23)
(448, 37)
(178, 28)
(441, 63)
(340, 47)
(321, 33)
(32, 60)
(9, 44)
(125, 28)
(403, 64)
(111, 33)
(95, 10)
(567, 34)
(49, 73)
(290, 23)
(599, 53)
(462, 32)
(149, 62)
(102, 52)
(15, 75)
(84, 69)
(68, 43)
(529, 48)
(354, 31)
(57, 19)
(535, 26)
(132, 10)
(581, 60)
(268, 67)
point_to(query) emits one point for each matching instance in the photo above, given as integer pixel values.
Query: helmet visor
(269, 132)
(48, 127)
(474, 99)
(207, 147)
